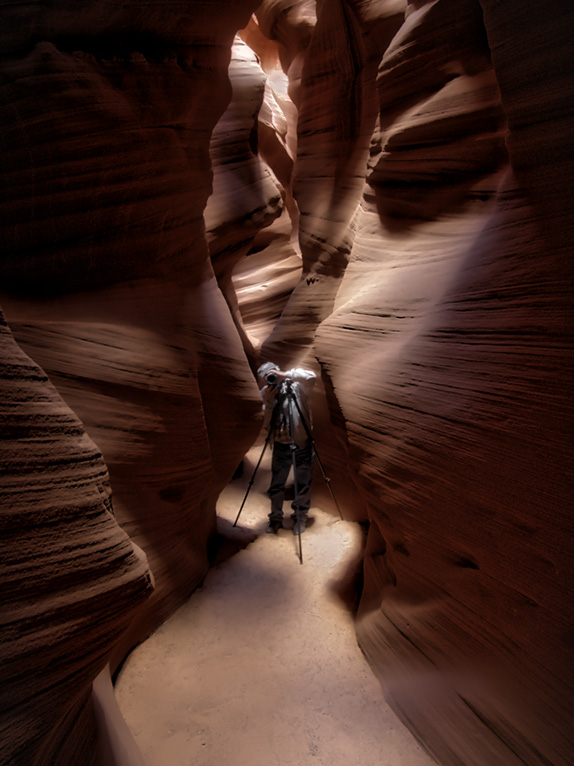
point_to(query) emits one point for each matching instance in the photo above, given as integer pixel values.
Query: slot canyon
(377, 190)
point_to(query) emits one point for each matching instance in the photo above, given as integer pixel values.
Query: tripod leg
(310, 436)
(296, 499)
(252, 478)
(327, 481)
(291, 399)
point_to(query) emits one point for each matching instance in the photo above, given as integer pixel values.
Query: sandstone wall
(419, 178)
(250, 215)
(71, 580)
(434, 186)
(108, 286)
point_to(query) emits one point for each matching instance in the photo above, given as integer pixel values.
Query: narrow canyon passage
(377, 191)
(261, 666)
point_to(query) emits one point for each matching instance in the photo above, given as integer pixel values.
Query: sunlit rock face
(250, 215)
(108, 286)
(434, 299)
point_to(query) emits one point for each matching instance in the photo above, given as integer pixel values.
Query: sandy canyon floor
(261, 666)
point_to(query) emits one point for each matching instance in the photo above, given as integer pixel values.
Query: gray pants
(280, 467)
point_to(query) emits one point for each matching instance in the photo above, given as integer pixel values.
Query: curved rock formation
(428, 181)
(250, 211)
(108, 286)
(435, 300)
(71, 580)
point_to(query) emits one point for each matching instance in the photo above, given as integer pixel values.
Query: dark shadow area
(228, 541)
(349, 588)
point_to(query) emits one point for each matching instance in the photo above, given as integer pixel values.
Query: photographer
(286, 419)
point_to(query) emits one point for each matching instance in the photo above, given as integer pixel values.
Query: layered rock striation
(71, 578)
(379, 189)
(435, 301)
(107, 285)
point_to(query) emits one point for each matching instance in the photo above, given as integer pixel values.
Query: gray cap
(265, 368)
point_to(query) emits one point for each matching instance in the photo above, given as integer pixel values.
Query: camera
(271, 379)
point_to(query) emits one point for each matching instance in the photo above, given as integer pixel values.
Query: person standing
(290, 437)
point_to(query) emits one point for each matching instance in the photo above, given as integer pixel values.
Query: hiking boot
(274, 526)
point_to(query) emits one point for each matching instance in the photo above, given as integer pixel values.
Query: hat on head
(265, 368)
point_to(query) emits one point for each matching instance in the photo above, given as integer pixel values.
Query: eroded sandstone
(436, 310)
(108, 286)
(412, 161)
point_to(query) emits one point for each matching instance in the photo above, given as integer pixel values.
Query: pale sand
(261, 666)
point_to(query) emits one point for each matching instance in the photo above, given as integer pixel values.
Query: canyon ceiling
(378, 189)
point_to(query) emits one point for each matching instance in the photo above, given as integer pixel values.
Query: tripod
(287, 391)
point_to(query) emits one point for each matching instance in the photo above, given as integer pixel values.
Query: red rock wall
(108, 286)
(250, 209)
(433, 181)
(428, 183)
(71, 580)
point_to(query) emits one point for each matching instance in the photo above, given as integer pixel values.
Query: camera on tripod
(273, 379)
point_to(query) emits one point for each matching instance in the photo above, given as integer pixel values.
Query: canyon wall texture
(434, 188)
(71, 579)
(382, 192)
(108, 286)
